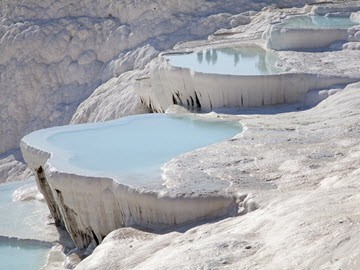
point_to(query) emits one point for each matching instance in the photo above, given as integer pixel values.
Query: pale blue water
(317, 22)
(19, 219)
(244, 60)
(16, 256)
(131, 149)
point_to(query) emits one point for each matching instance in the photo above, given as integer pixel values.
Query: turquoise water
(244, 60)
(16, 256)
(19, 219)
(131, 149)
(317, 22)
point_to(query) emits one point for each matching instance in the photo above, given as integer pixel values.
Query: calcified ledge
(282, 38)
(168, 85)
(91, 207)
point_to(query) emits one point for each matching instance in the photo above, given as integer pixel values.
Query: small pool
(317, 22)
(242, 60)
(21, 219)
(131, 149)
(16, 255)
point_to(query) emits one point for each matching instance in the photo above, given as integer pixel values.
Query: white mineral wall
(172, 85)
(92, 207)
(279, 38)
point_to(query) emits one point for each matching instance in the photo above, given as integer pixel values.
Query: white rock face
(13, 170)
(41, 78)
(239, 19)
(114, 99)
(355, 16)
(353, 38)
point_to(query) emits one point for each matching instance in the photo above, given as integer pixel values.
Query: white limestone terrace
(322, 231)
(209, 82)
(56, 53)
(100, 177)
(309, 31)
(172, 81)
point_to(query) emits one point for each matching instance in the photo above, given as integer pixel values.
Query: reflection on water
(317, 22)
(244, 60)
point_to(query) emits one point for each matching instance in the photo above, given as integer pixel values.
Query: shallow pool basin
(132, 149)
(303, 32)
(240, 60)
(317, 22)
(240, 76)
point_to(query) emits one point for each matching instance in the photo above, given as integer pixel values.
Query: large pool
(19, 228)
(241, 60)
(317, 22)
(131, 149)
